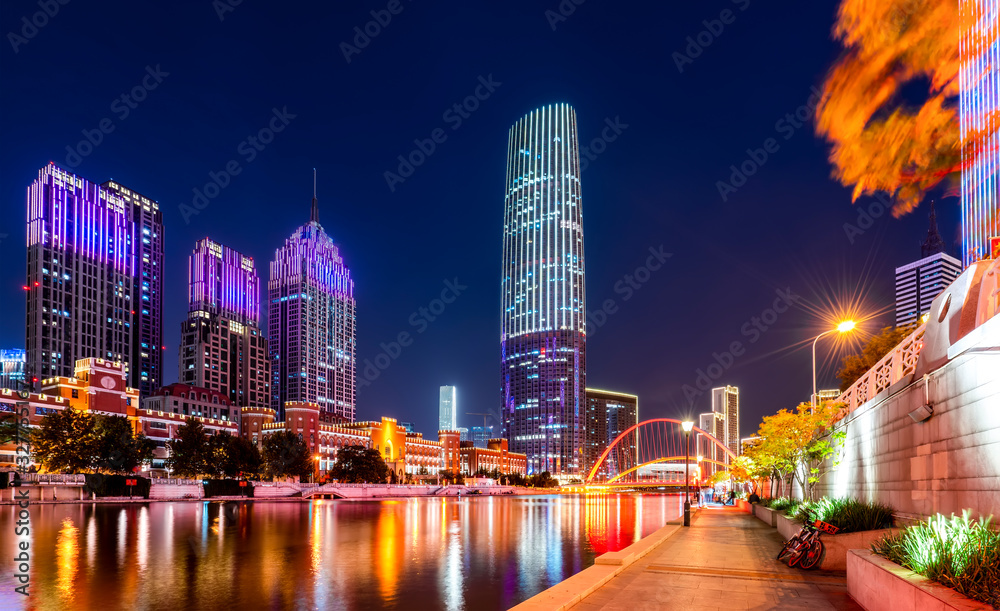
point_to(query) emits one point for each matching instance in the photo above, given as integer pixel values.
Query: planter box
(879, 585)
(765, 515)
(744, 506)
(837, 547)
(787, 527)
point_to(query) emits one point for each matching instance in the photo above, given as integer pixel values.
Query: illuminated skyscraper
(311, 323)
(609, 414)
(918, 283)
(95, 259)
(222, 346)
(543, 311)
(447, 404)
(979, 123)
(726, 401)
(12, 369)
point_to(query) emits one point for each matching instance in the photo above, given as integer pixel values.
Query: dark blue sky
(655, 185)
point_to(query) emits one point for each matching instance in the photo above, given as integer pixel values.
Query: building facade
(12, 369)
(311, 323)
(979, 126)
(186, 400)
(726, 401)
(543, 303)
(147, 337)
(714, 425)
(222, 345)
(447, 408)
(608, 415)
(494, 457)
(918, 283)
(481, 435)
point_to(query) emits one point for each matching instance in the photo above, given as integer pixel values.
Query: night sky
(211, 83)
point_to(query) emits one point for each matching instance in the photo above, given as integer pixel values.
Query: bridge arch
(649, 442)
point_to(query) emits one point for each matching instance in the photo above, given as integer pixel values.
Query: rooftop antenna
(314, 215)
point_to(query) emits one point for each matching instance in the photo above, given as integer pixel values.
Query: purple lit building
(311, 323)
(543, 337)
(222, 346)
(81, 298)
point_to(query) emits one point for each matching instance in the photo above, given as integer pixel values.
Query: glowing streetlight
(842, 327)
(687, 425)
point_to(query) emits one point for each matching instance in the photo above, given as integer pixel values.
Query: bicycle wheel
(797, 551)
(811, 557)
(787, 546)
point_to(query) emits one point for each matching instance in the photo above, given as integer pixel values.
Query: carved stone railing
(893, 367)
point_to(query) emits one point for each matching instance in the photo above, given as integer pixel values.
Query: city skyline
(642, 194)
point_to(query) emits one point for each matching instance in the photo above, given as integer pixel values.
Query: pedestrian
(732, 497)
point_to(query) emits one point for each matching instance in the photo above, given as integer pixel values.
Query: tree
(854, 366)
(357, 465)
(452, 477)
(65, 441)
(189, 450)
(117, 450)
(9, 432)
(244, 459)
(542, 480)
(286, 455)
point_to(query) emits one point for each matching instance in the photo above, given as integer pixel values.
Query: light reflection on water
(480, 553)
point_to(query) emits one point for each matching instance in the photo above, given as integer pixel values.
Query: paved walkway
(725, 560)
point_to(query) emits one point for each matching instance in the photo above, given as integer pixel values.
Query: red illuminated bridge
(628, 461)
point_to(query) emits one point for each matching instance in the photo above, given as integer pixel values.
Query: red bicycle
(806, 547)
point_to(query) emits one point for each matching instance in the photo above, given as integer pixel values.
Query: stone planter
(787, 527)
(879, 585)
(765, 515)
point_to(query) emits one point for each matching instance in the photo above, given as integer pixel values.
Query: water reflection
(485, 553)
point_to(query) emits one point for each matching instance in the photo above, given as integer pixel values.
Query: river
(420, 553)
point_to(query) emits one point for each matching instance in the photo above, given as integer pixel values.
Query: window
(158, 425)
(76, 393)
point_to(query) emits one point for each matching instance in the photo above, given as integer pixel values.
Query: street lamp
(316, 471)
(843, 327)
(687, 425)
(701, 485)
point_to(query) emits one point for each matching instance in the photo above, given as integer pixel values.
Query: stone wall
(945, 464)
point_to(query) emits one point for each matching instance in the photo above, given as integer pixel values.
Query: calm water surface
(482, 553)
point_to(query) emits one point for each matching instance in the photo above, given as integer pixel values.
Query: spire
(314, 214)
(933, 244)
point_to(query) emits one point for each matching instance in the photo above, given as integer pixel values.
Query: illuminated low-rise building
(494, 457)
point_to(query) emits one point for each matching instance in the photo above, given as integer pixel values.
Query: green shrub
(782, 503)
(959, 553)
(848, 515)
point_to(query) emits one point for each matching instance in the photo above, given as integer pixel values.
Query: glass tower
(979, 124)
(311, 323)
(543, 309)
(447, 404)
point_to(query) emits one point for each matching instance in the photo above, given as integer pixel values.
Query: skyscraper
(543, 306)
(12, 369)
(146, 368)
(311, 323)
(82, 274)
(608, 415)
(918, 283)
(222, 346)
(726, 401)
(979, 126)
(447, 406)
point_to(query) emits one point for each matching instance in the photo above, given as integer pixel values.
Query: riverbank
(725, 560)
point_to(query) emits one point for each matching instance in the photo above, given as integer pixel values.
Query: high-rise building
(12, 369)
(222, 346)
(979, 126)
(146, 367)
(726, 401)
(608, 415)
(481, 435)
(543, 305)
(447, 409)
(714, 424)
(81, 298)
(918, 283)
(312, 324)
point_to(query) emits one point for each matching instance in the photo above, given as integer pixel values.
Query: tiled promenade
(725, 560)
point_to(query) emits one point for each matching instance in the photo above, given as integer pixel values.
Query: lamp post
(687, 426)
(701, 485)
(843, 327)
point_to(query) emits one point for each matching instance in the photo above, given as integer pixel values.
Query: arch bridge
(628, 461)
